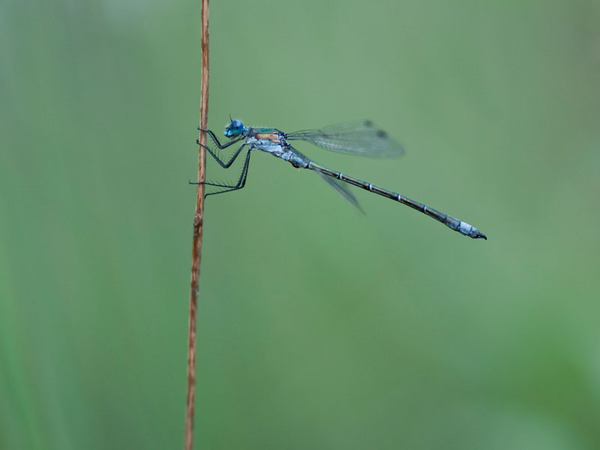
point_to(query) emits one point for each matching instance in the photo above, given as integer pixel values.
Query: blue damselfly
(358, 138)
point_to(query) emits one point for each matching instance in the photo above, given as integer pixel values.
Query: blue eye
(234, 129)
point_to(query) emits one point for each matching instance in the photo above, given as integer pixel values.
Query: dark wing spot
(382, 134)
(368, 123)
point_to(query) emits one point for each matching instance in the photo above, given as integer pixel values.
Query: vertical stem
(197, 240)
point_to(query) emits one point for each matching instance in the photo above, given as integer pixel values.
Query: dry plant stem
(197, 242)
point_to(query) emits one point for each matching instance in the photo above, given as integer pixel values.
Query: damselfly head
(234, 129)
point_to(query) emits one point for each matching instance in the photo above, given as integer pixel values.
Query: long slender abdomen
(451, 222)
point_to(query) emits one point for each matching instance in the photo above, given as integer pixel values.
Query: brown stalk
(197, 240)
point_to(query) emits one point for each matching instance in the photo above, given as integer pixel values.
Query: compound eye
(235, 128)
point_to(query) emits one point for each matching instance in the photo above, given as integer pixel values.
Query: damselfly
(359, 138)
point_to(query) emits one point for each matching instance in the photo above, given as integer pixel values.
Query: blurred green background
(318, 328)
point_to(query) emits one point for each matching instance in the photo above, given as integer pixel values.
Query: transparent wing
(355, 138)
(342, 188)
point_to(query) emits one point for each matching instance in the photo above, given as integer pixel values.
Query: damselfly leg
(220, 187)
(213, 151)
